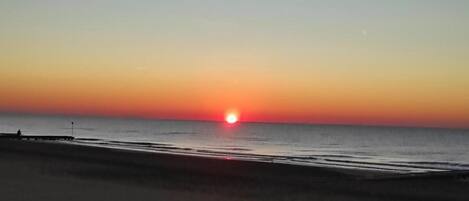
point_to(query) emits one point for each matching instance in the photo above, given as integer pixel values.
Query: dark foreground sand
(55, 171)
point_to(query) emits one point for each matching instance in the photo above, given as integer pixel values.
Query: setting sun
(231, 118)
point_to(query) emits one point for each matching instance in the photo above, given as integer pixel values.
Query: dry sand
(33, 170)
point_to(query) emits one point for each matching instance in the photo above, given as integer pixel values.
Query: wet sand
(35, 170)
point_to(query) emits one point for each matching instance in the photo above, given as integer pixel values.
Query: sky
(329, 62)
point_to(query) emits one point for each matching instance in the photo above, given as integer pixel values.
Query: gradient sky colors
(352, 62)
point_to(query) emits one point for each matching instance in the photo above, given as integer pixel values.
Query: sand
(35, 170)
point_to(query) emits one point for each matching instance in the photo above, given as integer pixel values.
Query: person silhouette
(18, 133)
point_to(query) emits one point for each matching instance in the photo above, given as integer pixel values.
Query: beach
(40, 170)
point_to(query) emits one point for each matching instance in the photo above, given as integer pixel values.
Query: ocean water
(393, 149)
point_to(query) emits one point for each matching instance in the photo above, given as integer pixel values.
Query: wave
(252, 138)
(175, 133)
(79, 128)
(336, 156)
(233, 149)
(443, 165)
(123, 143)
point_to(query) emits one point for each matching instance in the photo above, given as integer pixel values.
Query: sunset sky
(342, 62)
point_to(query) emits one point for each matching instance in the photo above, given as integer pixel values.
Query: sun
(231, 118)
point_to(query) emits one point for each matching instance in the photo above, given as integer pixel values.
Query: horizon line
(136, 117)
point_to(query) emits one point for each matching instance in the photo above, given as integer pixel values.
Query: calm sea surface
(381, 148)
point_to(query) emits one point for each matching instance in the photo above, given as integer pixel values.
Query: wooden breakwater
(34, 137)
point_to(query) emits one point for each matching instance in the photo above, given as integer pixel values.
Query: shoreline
(33, 170)
(310, 161)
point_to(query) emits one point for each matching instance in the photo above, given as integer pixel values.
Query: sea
(392, 149)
